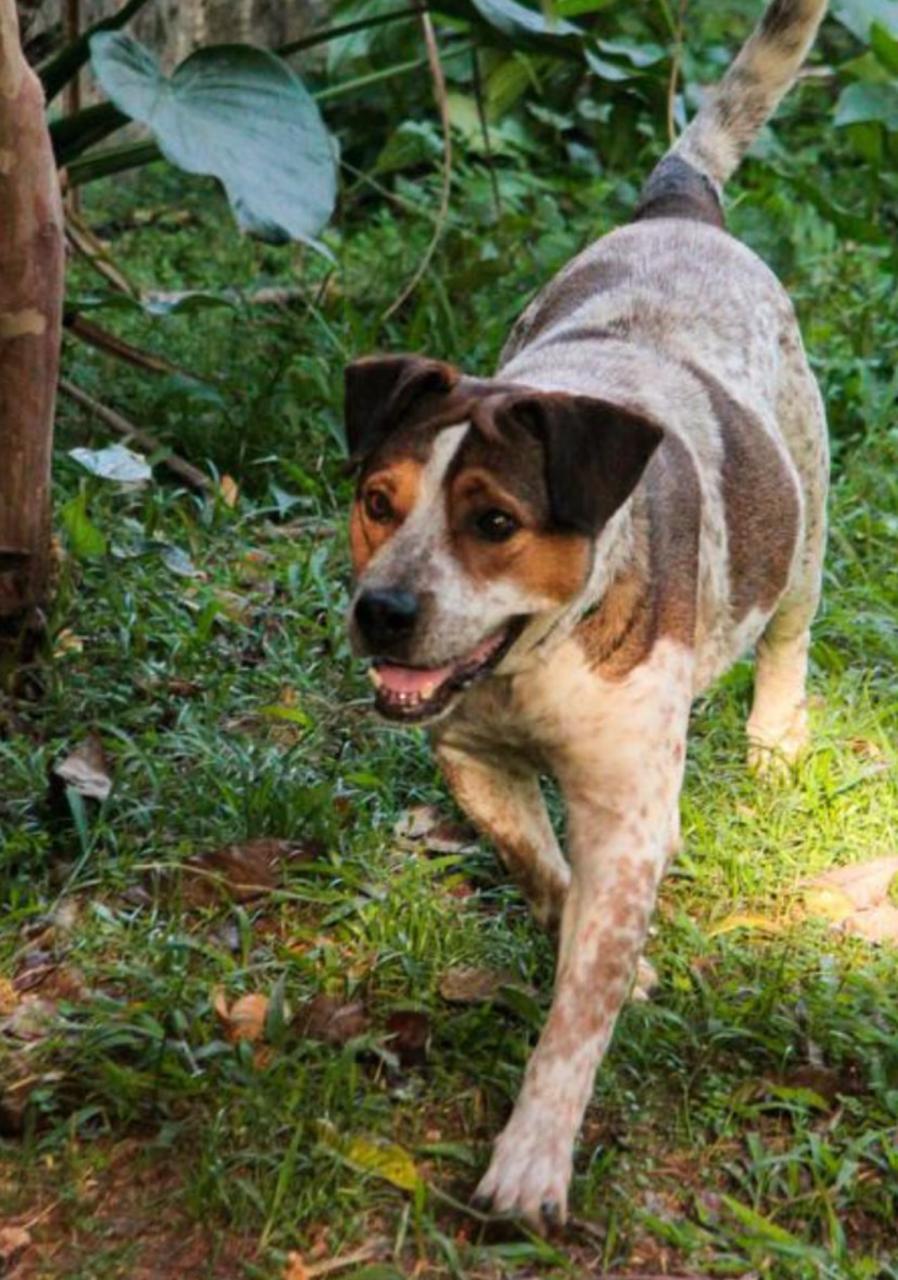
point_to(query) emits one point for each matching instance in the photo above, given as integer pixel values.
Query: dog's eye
(495, 525)
(378, 506)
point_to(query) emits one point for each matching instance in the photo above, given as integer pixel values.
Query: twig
(439, 89)
(269, 296)
(186, 471)
(675, 72)
(485, 130)
(72, 99)
(103, 340)
(91, 247)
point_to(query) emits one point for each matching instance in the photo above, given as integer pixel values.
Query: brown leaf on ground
(87, 769)
(31, 1019)
(13, 1242)
(298, 1269)
(244, 871)
(426, 826)
(331, 1020)
(40, 971)
(467, 984)
(9, 996)
(876, 924)
(856, 899)
(244, 1019)
(229, 490)
(408, 1035)
(864, 884)
(295, 1268)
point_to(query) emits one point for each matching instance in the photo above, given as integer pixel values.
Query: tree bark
(31, 289)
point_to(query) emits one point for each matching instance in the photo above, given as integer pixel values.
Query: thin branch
(346, 29)
(439, 89)
(91, 247)
(184, 470)
(95, 336)
(485, 130)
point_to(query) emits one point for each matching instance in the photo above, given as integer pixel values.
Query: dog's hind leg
(778, 724)
(505, 801)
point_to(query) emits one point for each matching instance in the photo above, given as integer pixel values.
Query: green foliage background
(745, 1121)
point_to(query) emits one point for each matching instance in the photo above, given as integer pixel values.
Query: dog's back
(675, 317)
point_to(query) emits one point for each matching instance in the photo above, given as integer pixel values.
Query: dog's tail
(766, 67)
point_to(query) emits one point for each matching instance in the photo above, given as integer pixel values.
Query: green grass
(745, 1120)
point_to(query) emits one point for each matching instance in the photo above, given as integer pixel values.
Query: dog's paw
(772, 749)
(528, 1175)
(645, 981)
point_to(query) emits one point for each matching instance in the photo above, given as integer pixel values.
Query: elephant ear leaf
(237, 113)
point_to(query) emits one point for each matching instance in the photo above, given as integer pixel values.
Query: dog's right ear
(382, 390)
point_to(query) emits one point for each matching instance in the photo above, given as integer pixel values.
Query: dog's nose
(385, 617)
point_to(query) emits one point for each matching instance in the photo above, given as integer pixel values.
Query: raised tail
(749, 93)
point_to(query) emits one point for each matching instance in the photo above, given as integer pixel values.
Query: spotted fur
(656, 432)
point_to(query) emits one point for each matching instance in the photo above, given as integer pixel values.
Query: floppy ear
(381, 390)
(595, 452)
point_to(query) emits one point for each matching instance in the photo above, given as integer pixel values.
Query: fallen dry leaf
(9, 997)
(408, 1035)
(876, 924)
(298, 1269)
(31, 1019)
(229, 490)
(856, 899)
(426, 826)
(864, 884)
(386, 1160)
(295, 1268)
(244, 1019)
(242, 871)
(87, 769)
(13, 1241)
(467, 984)
(331, 1020)
(67, 642)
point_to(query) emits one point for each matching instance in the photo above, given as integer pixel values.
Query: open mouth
(418, 693)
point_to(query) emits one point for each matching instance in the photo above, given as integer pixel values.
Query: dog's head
(477, 511)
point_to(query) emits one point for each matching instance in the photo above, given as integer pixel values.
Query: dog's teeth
(426, 691)
(375, 677)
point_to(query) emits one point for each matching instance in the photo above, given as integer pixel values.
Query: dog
(551, 563)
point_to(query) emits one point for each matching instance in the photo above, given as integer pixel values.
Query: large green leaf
(862, 103)
(859, 15)
(518, 26)
(239, 114)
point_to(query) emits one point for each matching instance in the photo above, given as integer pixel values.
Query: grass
(746, 1119)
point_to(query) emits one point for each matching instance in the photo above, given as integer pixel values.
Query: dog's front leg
(622, 794)
(503, 798)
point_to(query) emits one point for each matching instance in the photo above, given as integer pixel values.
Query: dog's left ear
(595, 452)
(382, 390)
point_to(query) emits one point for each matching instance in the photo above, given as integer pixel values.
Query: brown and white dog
(552, 563)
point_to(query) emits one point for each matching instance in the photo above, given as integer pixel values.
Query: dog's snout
(386, 617)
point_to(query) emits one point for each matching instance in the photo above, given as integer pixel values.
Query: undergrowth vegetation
(745, 1121)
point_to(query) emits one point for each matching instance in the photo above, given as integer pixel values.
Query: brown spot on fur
(761, 503)
(676, 190)
(399, 481)
(656, 599)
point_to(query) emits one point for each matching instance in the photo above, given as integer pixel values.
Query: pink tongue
(417, 679)
(412, 679)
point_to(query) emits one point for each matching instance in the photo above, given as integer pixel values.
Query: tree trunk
(31, 285)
